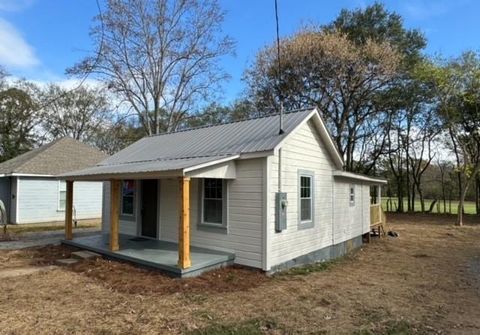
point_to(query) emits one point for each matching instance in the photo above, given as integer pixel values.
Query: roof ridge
(293, 111)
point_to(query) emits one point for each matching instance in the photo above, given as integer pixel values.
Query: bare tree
(159, 56)
(75, 113)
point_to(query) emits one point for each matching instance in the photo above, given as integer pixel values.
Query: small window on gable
(352, 195)
(62, 195)
(128, 192)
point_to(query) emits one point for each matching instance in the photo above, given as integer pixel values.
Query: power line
(280, 97)
(91, 67)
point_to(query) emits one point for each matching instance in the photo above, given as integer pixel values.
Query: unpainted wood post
(114, 214)
(184, 260)
(69, 210)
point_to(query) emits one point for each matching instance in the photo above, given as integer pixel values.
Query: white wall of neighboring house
(38, 199)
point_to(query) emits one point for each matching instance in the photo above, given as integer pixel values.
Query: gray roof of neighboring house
(193, 147)
(60, 156)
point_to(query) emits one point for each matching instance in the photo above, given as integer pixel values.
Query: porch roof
(145, 169)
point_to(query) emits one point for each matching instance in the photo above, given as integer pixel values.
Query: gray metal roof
(60, 156)
(183, 149)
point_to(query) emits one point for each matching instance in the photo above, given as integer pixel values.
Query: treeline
(392, 110)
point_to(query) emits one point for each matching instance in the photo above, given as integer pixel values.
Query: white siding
(350, 221)
(128, 225)
(304, 150)
(37, 200)
(245, 194)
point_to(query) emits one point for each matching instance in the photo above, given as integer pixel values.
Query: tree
(18, 118)
(78, 113)
(327, 70)
(457, 84)
(159, 56)
(113, 137)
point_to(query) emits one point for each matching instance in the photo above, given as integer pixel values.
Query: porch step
(84, 254)
(66, 261)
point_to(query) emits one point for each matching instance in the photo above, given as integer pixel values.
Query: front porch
(157, 254)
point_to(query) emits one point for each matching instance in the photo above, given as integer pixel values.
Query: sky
(39, 39)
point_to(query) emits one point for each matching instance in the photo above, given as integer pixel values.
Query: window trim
(129, 215)
(305, 224)
(350, 188)
(211, 226)
(59, 189)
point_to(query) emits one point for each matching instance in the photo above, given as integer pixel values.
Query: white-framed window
(305, 198)
(62, 195)
(352, 195)
(214, 202)
(128, 197)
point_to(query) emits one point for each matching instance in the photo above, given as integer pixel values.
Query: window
(62, 195)
(352, 195)
(306, 202)
(128, 191)
(213, 201)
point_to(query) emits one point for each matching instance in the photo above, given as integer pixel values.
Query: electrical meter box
(281, 204)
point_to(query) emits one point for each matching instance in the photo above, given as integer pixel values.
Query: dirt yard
(426, 281)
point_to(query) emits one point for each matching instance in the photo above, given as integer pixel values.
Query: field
(469, 206)
(426, 281)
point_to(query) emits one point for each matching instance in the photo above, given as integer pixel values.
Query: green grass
(469, 206)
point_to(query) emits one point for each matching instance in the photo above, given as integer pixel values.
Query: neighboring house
(269, 200)
(31, 192)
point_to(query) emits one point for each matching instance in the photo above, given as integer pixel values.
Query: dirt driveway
(427, 281)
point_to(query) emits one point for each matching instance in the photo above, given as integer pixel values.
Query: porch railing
(378, 220)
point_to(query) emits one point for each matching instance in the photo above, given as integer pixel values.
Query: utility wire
(89, 69)
(279, 69)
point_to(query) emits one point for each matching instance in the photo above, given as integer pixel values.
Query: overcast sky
(40, 38)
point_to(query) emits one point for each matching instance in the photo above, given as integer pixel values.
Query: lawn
(469, 206)
(426, 281)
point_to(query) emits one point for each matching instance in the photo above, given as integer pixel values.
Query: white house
(31, 192)
(266, 199)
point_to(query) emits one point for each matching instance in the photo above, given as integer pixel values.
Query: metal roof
(188, 148)
(59, 156)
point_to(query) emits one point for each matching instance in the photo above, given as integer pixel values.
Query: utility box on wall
(281, 204)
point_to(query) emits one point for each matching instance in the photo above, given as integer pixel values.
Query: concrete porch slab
(161, 255)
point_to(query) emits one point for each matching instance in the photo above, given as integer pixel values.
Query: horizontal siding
(37, 200)
(126, 226)
(304, 150)
(244, 235)
(349, 220)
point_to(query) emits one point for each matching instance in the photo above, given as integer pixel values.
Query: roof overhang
(15, 174)
(214, 167)
(359, 177)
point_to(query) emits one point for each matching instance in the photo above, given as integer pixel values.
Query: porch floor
(161, 255)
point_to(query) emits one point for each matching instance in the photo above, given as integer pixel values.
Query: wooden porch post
(114, 213)
(69, 210)
(184, 224)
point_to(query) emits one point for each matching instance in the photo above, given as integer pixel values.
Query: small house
(31, 192)
(241, 192)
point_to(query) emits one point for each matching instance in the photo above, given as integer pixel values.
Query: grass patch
(49, 226)
(249, 327)
(469, 206)
(307, 269)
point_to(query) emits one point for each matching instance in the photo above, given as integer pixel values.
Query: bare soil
(426, 281)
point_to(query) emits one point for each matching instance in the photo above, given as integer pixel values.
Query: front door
(149, 208)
